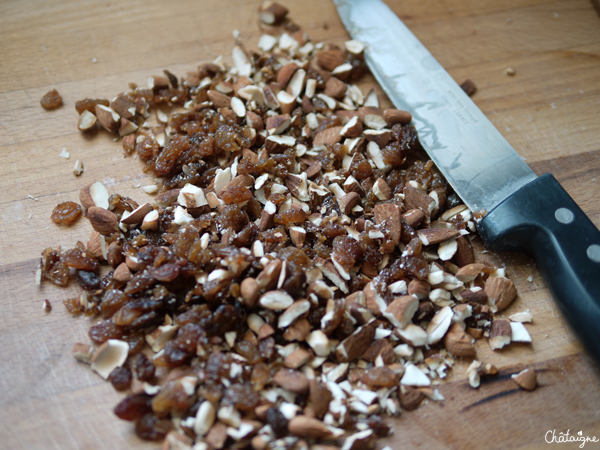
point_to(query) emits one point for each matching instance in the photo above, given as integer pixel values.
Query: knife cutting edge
(522, 211)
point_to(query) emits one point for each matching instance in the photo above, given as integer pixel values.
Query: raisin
(120, 378)
(245, 237)
(182, 279)
(127, 314)
(407, 233)
(51, 100)
(112, 301)
(143, 368)
(195, 314)
(242, 397)
(79, 259)
(151, 428)
(136, 342)
(89, 104)
(58, 274)
(217, 366)
(167, 158)
(88, 280)
(104, 331)
(290, 217)
(212, 393)
(66, 213)
(147, 149)
(181, 349)
(235, 194)
(267, 348)
(139, 283)
(172, 399)
(346, 252)
(224, 319)
(362, 170)
(166, 272)
(249, 351)
(260, 376)
(392, 154)
(232, 217)
(74, 306)
(333, 230)
(133, 407)
(278, 422)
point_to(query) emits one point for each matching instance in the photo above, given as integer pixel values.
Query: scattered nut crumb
(78, 168)
(47, 306)
(510, 71)
(150, 189)
(64, 154)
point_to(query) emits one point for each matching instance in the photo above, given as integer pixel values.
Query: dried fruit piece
(66, 213)
(51, 100)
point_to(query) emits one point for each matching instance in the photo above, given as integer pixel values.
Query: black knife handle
(544, 221)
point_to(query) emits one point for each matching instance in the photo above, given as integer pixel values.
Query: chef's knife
(523, 212)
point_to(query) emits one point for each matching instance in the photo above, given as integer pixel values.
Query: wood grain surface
(548, 111)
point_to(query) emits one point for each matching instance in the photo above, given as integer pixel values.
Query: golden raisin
(66, 213)
(290, 217)
(51, 100)
(89, 104)
(235, 194)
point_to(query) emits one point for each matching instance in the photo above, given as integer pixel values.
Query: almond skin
(115, 254)
(250, 292)
(137, 215)
(285, 74)
(219, 99)
(307, 427)
(394, 116)
(94, 246)
(292, 380)
(330, 59)
(108, 118)
(122, 273)
(458, 342)
(103, 221)
(85, 198)
(329, 136)
(500, 291)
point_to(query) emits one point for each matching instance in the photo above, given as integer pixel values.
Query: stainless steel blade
(475, 158)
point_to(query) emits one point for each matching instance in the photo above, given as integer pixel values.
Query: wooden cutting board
(548, 111)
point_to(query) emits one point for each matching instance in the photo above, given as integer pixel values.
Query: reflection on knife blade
(478, 162)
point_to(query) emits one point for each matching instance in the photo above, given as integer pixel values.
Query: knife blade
(522, 211)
